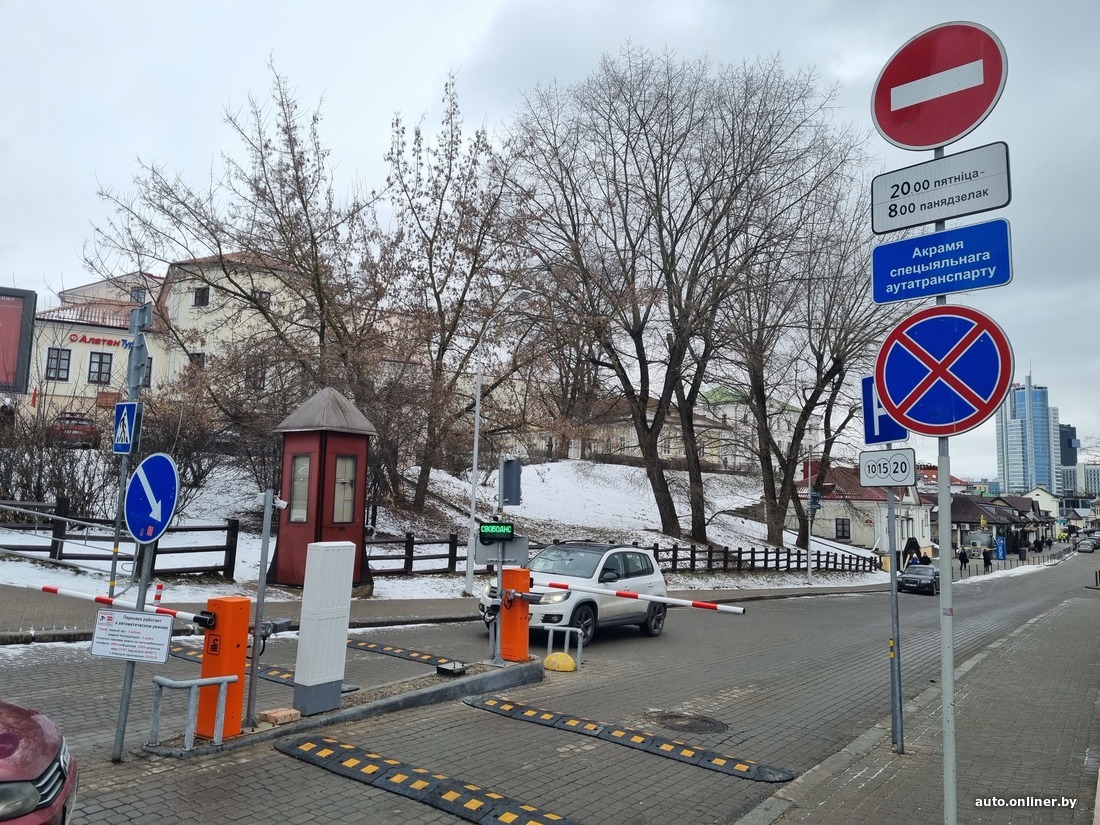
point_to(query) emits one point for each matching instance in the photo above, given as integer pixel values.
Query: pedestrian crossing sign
(127, 426)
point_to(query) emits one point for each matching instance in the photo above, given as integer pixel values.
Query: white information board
(888, 468)
(132, 635)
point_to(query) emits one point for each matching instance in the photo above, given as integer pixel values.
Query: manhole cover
(686, 722)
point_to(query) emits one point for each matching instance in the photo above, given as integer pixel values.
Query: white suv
(606, 567)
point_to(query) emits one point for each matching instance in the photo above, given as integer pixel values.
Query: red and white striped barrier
(159, 594)
(204, 619)
(628, 594)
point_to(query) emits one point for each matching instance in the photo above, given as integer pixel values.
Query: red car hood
(28, 742)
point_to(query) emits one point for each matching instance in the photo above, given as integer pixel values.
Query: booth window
(343, 497)
(299, 488)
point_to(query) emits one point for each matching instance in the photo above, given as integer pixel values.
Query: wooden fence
(97, 537)
(675, 559)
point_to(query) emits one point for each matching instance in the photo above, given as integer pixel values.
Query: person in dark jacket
(964, 560)
(987, 559)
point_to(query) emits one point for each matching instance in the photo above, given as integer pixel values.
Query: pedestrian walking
(987, 559)
(964, 561)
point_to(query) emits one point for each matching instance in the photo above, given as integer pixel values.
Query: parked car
(1086, 546)
(74, 430)
(38, 775)
(922, 578)
(591, 565)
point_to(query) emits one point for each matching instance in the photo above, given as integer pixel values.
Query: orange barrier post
(224, 653)
(515, 615)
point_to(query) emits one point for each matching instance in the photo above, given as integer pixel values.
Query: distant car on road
(603, 566)
(74, 430)
(922, 578)
(1087, 546)
(38, 776)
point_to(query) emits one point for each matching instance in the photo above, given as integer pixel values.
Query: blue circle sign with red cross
(943, 370)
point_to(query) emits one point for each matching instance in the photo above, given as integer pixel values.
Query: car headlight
(17, 798)
(557, 597)
(490, 591)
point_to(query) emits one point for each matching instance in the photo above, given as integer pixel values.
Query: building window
(844, 528)
(343, 497)
(262, 298)
(137, 295)
(202, 296)
(99, 367)
(299, 488)
(57, 364)
(197, 360)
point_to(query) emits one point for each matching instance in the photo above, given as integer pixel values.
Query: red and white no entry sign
(939, 86)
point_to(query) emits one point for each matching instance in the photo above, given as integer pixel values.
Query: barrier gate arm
(203, 619)
(629, 594)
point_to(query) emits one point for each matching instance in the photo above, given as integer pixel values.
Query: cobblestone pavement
(799, 683)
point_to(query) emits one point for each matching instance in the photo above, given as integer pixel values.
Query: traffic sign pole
(149, 506)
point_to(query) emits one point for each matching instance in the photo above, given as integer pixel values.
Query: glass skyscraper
(1028, 444)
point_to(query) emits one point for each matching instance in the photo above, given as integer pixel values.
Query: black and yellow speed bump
(633, 738)
(402, 652)
(279, 675)
(466, 800)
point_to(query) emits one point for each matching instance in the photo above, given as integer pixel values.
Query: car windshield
(579, 562)
(925, 572)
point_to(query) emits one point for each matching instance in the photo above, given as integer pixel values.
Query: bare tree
(660, 185)
(799, 337)
(451, 256)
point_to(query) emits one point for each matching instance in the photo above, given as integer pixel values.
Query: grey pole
(471, 543)
(257, 625)
(145, 551)
(895, 631)
(140, 318)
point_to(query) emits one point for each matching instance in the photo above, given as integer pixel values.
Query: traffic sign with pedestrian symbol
(127, 427)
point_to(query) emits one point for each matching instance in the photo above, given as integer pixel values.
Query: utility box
(515, 614)
(323, 633)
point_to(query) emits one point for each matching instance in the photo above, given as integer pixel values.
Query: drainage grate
(686, 722)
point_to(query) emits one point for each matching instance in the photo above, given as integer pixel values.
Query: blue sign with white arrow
(878, 426)
(955, 260)
(151, 498)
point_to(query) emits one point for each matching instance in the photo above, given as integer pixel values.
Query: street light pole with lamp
(814, 502)
(471, 543)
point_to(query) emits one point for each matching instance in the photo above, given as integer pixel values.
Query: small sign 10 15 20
(888, 468)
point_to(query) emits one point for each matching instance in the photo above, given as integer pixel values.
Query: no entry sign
(943, 370)
(939, 86)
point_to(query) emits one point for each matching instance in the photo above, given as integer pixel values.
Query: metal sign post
(887, 468)
(150, 504)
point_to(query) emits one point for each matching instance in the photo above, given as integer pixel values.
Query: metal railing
(192, 687)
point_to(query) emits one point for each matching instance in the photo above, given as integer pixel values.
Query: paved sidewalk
(1027, 740)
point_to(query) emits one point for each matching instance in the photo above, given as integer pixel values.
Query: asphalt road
(790, 683)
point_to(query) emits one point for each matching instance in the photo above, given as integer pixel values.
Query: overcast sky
(90, 87)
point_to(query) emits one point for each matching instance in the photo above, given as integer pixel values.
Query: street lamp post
(813, 502)
(469, 588)
(505, 306)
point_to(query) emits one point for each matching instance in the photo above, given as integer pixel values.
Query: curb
(524, 673)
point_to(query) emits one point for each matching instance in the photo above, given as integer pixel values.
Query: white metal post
(472, 539)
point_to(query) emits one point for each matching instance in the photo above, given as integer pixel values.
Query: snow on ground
(561, 500)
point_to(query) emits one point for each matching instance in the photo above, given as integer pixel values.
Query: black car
(923, 578)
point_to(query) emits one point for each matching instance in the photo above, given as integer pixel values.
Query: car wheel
(584, 617)
(654, 620)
